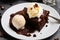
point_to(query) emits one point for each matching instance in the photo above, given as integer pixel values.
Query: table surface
(56, 35)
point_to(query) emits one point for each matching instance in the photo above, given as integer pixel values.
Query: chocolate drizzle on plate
(46, 25)
(34, 35)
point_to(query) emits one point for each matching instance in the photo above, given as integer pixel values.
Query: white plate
(46, 31)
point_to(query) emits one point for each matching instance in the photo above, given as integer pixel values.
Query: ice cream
(35, 10)
(18, 22)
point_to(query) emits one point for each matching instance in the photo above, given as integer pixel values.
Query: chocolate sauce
(24, 32)
(32, 24)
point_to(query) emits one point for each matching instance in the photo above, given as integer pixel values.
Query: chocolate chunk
(36, 5)
(34, 35)
(46, 25)
(2, 7)
(56, 39)
(31, 8)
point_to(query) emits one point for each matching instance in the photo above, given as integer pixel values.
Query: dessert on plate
(29, 19)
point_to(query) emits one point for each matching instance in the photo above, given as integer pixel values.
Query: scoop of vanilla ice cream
(18, 22)
(35, 10)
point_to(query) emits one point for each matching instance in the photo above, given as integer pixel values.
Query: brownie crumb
(46, 25)
(56, 39)
(34, 35)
